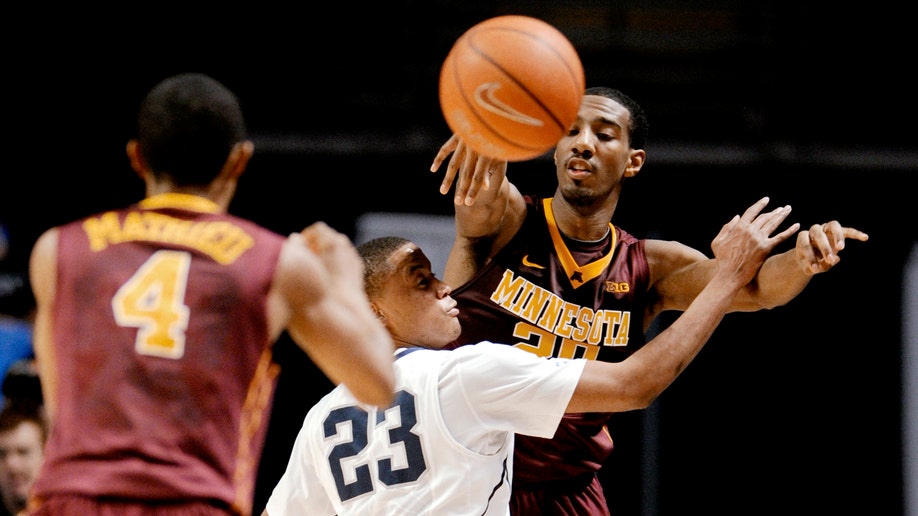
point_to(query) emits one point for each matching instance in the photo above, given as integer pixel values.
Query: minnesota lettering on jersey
(221, 240)
(578, 326)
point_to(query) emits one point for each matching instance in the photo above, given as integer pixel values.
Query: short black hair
(187, 127)
(375, 254)
(637, 132)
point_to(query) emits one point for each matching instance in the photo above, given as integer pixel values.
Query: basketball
(511, 86)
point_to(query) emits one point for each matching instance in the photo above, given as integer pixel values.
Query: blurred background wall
(800, 409)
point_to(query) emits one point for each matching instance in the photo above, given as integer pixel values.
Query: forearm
(781, 278)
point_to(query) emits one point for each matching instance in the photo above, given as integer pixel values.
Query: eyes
(425, 279)
(603, 135)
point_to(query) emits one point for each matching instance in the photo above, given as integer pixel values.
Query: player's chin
(453, 329)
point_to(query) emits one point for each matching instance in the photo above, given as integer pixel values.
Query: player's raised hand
(470, 171)
(746, 241)
(818, 248)
(336, 252)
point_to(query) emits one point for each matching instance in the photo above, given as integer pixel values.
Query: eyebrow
(607, 121)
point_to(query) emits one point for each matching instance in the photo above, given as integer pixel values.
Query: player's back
(162, 349)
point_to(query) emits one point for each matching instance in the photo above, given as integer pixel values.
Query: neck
(588, 224)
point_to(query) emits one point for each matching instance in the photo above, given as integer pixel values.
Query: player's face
(593, 156)
(418, 307)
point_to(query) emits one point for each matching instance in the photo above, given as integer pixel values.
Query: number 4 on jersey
(153, 302)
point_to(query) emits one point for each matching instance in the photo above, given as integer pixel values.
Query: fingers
(768, 222)
(486, 171)
(837, 234)
(787, 233)
(450, 147)
(753, 211)
(450, 175)
(855, 234)
(445, 150)
(806, 252)
(818, 247)
(467, 171)
(320, 237)
(464, 183)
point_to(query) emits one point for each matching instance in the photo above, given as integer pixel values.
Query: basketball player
(553, 276)
(155, 324)
(445, 445)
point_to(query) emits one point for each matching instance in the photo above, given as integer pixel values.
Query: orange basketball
(511, 86)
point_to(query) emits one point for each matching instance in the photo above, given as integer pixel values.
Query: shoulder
(251, 225)
(491, 361)
(486, 350)
(44, 251)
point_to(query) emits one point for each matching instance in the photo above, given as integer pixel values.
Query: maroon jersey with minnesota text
(555, 296)
(162, 350)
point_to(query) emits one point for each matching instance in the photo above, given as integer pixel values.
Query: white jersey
(444, 447)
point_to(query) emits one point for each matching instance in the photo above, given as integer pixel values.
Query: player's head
(187, 126)
(638, 126)
(415, 306)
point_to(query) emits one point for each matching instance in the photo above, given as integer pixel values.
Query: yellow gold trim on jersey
(182, 201)
(578, 275)
(254, 416)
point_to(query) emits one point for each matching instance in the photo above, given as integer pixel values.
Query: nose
(443, 290)
(583, 145)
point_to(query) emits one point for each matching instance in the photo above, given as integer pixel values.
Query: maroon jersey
(164, 372)
(554, 296)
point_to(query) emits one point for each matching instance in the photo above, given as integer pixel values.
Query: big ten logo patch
(617, 287)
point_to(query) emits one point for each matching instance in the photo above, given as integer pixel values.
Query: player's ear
(635, 162)
(238, 158)
(136, 158)
(379, 315)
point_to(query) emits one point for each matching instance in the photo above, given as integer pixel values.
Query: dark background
(796, 410)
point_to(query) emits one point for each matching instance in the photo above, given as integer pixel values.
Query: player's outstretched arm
(781, 278)
(321, 276)
(784, 276)
(740, 249)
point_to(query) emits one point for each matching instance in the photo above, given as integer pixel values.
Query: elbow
(768, 304)
(379, 400)
(645, 391)
(644, 400)
(638, 398)
(380, 394)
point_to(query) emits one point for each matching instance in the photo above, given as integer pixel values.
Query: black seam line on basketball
(539, 41)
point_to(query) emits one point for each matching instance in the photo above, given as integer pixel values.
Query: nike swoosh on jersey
(527, 263)
(486, 98)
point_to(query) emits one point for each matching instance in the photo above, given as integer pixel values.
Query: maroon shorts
(583, 497)
(73, 505)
